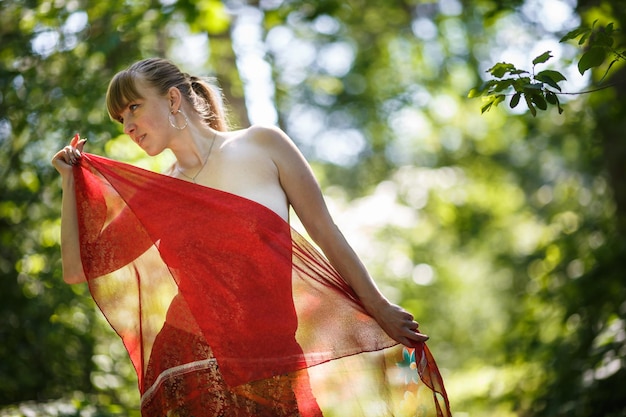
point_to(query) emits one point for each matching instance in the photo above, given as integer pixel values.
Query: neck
(192, 147)
(197, 157)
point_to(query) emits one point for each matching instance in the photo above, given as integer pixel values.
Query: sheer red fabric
(225, 310)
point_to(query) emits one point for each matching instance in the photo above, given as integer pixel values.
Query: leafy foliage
(599, 44)
(542, 88)
(536, 89)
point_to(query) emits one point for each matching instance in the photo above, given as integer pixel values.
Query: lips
(139, 139)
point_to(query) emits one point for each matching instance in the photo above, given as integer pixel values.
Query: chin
(152, 152)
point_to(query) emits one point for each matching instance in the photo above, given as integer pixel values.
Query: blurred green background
(503, 233)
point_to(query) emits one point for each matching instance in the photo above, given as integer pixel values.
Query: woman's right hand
(69, 155)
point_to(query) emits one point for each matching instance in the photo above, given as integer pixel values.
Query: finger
(408, 316)
(67, 155)
(411, 342)
(418, 337)
(75, 140)
(81, 144)
(75, 152)
(71, 155)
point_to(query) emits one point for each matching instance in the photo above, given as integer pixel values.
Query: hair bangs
(122, 90)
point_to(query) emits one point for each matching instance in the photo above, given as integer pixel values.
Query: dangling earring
(172, 120)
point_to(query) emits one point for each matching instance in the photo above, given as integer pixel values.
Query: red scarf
(226, 310)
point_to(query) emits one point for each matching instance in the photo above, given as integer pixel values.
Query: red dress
(225, 310)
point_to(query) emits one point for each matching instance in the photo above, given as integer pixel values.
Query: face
(146, 120)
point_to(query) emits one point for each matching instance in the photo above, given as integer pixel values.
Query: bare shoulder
(266, 135)
(265, 131)
(265, 142)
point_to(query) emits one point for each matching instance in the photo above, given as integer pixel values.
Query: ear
(175, 98)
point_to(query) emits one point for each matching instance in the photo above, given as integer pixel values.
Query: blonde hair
(162, 74)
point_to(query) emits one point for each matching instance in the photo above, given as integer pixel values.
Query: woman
(162, 108)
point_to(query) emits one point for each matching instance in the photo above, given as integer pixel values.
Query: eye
(133, 107)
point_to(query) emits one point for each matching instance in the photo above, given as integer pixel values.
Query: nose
(129, 128)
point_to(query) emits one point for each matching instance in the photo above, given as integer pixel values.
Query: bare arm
(70, 246)
(305, 196)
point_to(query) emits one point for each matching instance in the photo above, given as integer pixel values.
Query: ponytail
(208, 104)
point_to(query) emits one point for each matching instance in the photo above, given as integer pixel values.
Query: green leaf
(501, 69)
(530, 105)
(594, 57)
(503, 84)
(554, 75)
(602, 39)
(542, 58)
(608, 69)
(583, 38)
(554, 100)
(533, 86)
(552, 78)
(575, 33)
(473, 93)
(609, 28)
(493, 101)
(546, 79)
(522, 83)
(539, 101)
(515, 100)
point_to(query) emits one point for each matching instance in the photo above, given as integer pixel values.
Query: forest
(493, 209)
